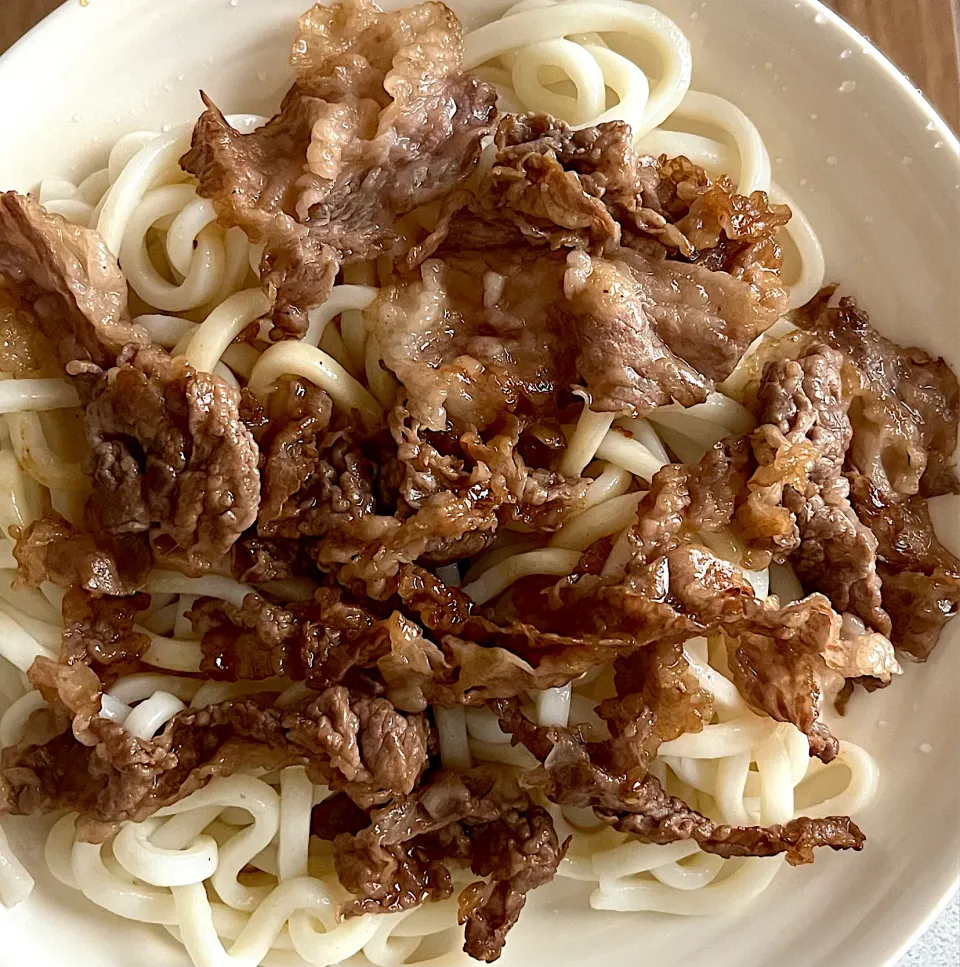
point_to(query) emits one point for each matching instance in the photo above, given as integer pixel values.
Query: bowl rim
(11, 60)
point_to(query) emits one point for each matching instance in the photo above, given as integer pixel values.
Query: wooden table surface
(920, 36)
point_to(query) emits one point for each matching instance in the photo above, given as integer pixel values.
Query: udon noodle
(232, 871)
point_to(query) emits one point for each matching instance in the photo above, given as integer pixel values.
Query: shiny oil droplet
(833, 160)
(694, 15)
(820, 18)
(814, 117)
(931, 125)
(846, 54)
(804, 182)
(937, 144)
(167, 128)
(77, 118)
(234, 3)
(926, 748)
(848, 87)
(882, 723)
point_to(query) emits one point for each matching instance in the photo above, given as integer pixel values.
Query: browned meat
(484, 483)
(651, 332)
(314, 480)
(920, 577)
(347, 740)
(257, 560)
(171, 458)
(838, 556)
(461, 359)
(673, 589)
(583, 774)
(317, 642)
(336, 815)
(659, 698)
(379, 122)
(802, 402)
(571, 189)
(519, 853)
(905, 410)
(24, 350)
(51, 549)
(480, 332)
(70, 281)
(98, 631)
(397, 862)
(587, 189)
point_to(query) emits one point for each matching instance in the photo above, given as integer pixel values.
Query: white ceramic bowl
(877, 172)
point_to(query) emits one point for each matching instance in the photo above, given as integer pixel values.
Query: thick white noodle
(452, 731)
(555, 561)
(13, 722)
(553, 706)
(341, 299)
(521, 30)
(19, 648)
(209, 342)
(150, 716)
(577, 64)
(754, 161)
(159, 866)
(206, 267)
(582, 447)
(263, 804)
(16, 884)
(164, 330)
(211, 585)
(34, 455)
(613, 482)
(627, 452)
(296, 359)
(603, 520)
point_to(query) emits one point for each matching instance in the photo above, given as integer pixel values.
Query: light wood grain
(919, 36)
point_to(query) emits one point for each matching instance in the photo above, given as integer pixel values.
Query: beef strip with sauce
(571, 267)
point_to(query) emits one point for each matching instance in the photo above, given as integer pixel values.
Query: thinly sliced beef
(586, 775)
(317, 642)
(833, 552)
(51, 549)
(485, 482)
(69, 280)
(905, 410)
(345, 739)
(651, 332)
(479, 332)
(379, 123)
(587, 189)
(99, 631)
(314, 478)
(482, 819)
(170, 459)
(920, 577)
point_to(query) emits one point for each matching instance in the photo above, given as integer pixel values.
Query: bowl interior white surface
(878, 175)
